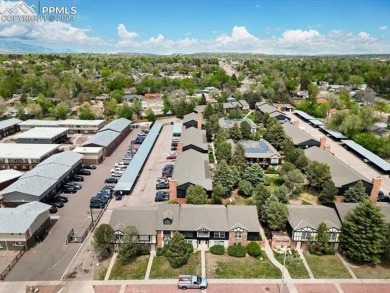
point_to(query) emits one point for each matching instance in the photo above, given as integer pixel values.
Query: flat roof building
(73, 125)
(9, 126)
(43, 135)
(92, 155)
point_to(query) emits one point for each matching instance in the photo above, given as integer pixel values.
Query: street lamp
(284, 264)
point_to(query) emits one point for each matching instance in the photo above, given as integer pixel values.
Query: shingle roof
(297, 135)
(194, 136)
(301, 216)
(258, 149)
(19, 219)
(104, 138)
(190, 117)
(244, 217)
(117, 125)
(171, 211)
(243, 103)
(267, 108)
(214, 218)
(34, 186)
(342, 174)
(192, 167)
(9, 123)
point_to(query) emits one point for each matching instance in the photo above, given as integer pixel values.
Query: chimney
(279, 107)
(179, 147)
(172, 189)
(327, 147)
(296, 123)
(376, 186)
(322, 142)
(200, 120)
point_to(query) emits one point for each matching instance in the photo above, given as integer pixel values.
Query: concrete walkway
(112, 262)
(347, 266)
(151, 257)
(203, 262)
(285, 274)
(308, 269)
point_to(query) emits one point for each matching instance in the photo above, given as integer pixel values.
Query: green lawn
(133, 271)
(161, 269)
(327, 266)
(294, 265)
(379, 271)
(228, 267)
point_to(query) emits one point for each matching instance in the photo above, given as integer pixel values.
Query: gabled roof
(34, 186)
(278, 113)
(103, 138)
(190, 117)
(117, 125)
(211, 217)
(244, 217)
(192, 167)
(143, 218)
(301, 216)
(257, 149)
(171, 211)
(267, 108)
(243, 103)
(297, 135)
(194, 136)
(342, 173)
(9, 123)
(9, 174)
(20, 219)
(67, 158)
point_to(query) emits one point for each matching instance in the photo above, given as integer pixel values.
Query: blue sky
(188, 26)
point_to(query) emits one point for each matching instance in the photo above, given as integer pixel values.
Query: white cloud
(13, 30)
(364, 35)
(383, 28)
(294, 36)
(124, 34)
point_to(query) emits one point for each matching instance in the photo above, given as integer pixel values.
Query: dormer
(167, 218)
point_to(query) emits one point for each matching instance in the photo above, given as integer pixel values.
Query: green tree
(128, 247)
(235, 132)
(356, 193)
(195, 194)
(208, 111)
(274, 214)
(150, 115)
(238, 158)
(223, 151)
(275, 135)
(363, 233)
(382, 108)
(281, 193)
(203, 100)
(245, 130)
(260, 196)
(45, 103)
(287, 167)
(322, 238)
(125, 111)
(62, 94)
(178, 252)
(245, 187)
(294, 180)
(367, 117)
(137, 107)
(110, 107)
(318, 173)
(235, 113)
(218, 193)
(60, 111)
(328, 191)
(254, 174)
(224, 175)
(301, 162)
(103, 239)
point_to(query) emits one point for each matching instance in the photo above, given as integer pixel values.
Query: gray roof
(20, 219)
(171, 211)
(316, 122)
(301, 216)
(117, 125)
(258, 149)
(333, 133)
(26, 150)
(9, 174)
(342, 174)
(42, 132)
(131, 173)
(190, 117)
(243, 103)
(34, 186)
(67, 158)
(192, 167)
(374, 159)
(210, 217)
(278, 113)
(9, 123)
(143, 218)
(53, 171)
(243, 216)
(104, 138)
(297, 135)
(194, 136)
(200, 108)
(284, 105)
(304, 115)
(229, 105)
(344, 207)
(267, 108)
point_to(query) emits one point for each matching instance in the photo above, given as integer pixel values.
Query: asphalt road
(49, 260)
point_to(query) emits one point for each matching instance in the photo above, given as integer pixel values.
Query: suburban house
(299, 137)
(192, 120)
(273, 112)
(9, 126)
(24, 157)
(343, 175)
(152, 96)
(241, 104)
(260, 152)
(228, 123)
(43, 135)
(23, 226)
(201, 225)
(284, 107)
(193, 139)
(191, 168)
(303, 222)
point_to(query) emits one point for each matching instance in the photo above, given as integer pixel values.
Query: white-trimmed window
(167, 234)
(188, 234)
(204, 234)
(332, 236)
(144, 238)
(237, 234)
(306, 236)
(219, 234)
(18, 243)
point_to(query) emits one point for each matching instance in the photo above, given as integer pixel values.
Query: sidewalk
(112, 262)
(151, 257)
(308, 269)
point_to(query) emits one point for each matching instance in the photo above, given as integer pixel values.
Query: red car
(53, 210)
(171, 157)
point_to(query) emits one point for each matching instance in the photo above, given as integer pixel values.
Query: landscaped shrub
(166, 249)
(159, 251)
(312, 250)
(217, 249)
(143, 250)
(190, 248)
(253, 249)
(329, 251)
(237, 251)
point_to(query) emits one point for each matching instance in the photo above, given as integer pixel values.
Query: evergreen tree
(328, 192)
(208, 111)
(318, 173)
(245, 130)
(356, 193)
(235, 132)
(195, 194)
(224, 175)
(254, 174)
(245, 187)
(218, 193)
(301, 162)
(258, 117)
(281, 193)
(260, 196)
(275, 135)
(322, 238)
(294, 180)
(129, 245)
(274, 214)
(203, 100)
(103, 239)
(238, 158)
(223, 151)
(178, 251)
(363, 233)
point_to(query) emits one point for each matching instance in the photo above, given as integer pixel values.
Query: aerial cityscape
(215, 146)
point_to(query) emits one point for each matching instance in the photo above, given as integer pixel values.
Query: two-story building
(9, 126)
(43, 135)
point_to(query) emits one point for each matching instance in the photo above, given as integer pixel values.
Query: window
(143, 238)
(332, 236)
(237, 234)
(167, 221)
(204, 234)
(219, 234)
(274, 161)
(306, 236)
(219, 242)
(18, 243)
(188, 234)
(167, 234)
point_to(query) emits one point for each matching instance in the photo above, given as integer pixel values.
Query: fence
(12, 264)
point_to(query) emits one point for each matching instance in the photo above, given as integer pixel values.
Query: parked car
(161, 196)
(146, 131)
(118, 169)
(78, 178)
(171, 157)
(162, 185)
(57, 204)
(161, 179)
(96, 205)
(127, 157)
(53, 209)
(138, 140)
(91, 167)
(121, 164)
(69, 189)
(111, 180)
(107, 188)
(141, 134)
(106, 195)
(383, 198)
(192, 282)
(73, 184)
(118, 196)
(84, 172)
(133, 150)
(116, 174)
(61, 198)
(98, 199)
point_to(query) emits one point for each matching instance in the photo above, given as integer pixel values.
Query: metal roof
(177, 127)
(9, 174)
(37, 123)
(26, 150)
(104, 138)
(129, 177)
(42, 132)
(333, 133)
(19, 219)
(117, 125)
(376, 160)
(9, 123)
(67, 158)
(316, 122)
(304, 115)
